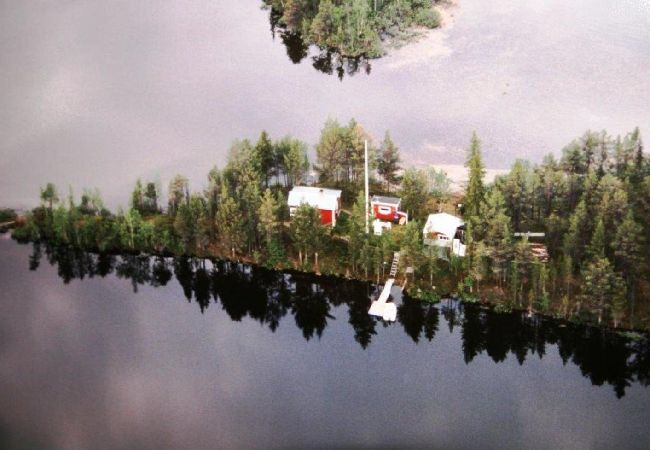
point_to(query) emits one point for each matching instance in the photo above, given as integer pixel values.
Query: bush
(428, 17)
(26, 233)
(7, 215)
(276, 257)
(543, 303)
(342, 224)
(503, 308)
(427, 296)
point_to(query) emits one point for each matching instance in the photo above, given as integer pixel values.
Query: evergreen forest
(591, 201)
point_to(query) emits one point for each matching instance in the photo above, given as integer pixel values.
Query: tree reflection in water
(328, 61)
(266, 296)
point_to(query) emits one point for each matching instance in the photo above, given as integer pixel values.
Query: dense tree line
(242, 211)
(592, 204)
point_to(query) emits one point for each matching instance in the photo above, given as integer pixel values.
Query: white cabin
(445, 230)
(327, 201)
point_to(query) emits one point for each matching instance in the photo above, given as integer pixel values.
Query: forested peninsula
(592, 206)
(348, 32)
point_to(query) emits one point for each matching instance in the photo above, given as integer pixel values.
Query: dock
(381, 307)
(387, 311)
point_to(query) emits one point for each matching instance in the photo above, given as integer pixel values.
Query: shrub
(7, 215)
(427, 17)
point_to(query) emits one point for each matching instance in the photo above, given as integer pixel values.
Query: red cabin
(327, 201)
(387, 209)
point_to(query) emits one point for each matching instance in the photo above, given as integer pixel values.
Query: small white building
(327, 201)
(445, 230)
(378, 226)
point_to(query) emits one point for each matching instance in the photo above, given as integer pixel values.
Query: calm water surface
(97, 95)
(105, 352)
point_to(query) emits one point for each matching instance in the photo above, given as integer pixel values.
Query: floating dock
(380, 307)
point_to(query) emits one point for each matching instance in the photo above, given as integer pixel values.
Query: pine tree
(438, 184)
(478, 269)
(212, 195)
(49, 195)
(190, 224)
(131, 223)
(598, 244)
(230, 222)
(575, 240)
(268, 222)
(414, 192)
(496, 232)
(628, 250)
(411, 246)
(275, 255)
(388, 161)
(248, 195)
(367, 256)
(601, 287)
(330, 150)
(179, 192)
(151, 199)
(515, 192)
(137, 197)
(263, 158)
(354, 159)
(475, 191)
(306, 231)
(356, 230)
(292, 158)
(611, 202)
(623, 156)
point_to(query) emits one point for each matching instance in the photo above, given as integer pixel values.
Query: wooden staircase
(394, 265)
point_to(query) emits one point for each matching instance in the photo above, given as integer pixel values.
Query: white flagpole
(366, 180)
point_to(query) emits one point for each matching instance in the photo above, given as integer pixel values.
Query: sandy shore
(427, 45)
(459, 174)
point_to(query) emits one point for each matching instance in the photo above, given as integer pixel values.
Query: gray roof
(387, 200)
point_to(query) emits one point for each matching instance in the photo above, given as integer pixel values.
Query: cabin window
(384, 210)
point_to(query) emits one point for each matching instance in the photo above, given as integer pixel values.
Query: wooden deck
(380, 307)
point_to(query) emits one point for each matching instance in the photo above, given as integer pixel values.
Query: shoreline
(248, 261)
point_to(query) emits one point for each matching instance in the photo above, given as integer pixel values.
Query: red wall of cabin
(388, 217)
(325, 216)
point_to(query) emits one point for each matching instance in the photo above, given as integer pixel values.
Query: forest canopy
(349, 29)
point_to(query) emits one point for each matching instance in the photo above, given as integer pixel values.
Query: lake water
(95, 95)
(107, 352)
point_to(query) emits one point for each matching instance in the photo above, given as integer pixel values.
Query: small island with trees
(591, 208)
(348, 32)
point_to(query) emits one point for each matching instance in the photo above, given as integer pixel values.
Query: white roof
(442, 223)
(320, 198)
